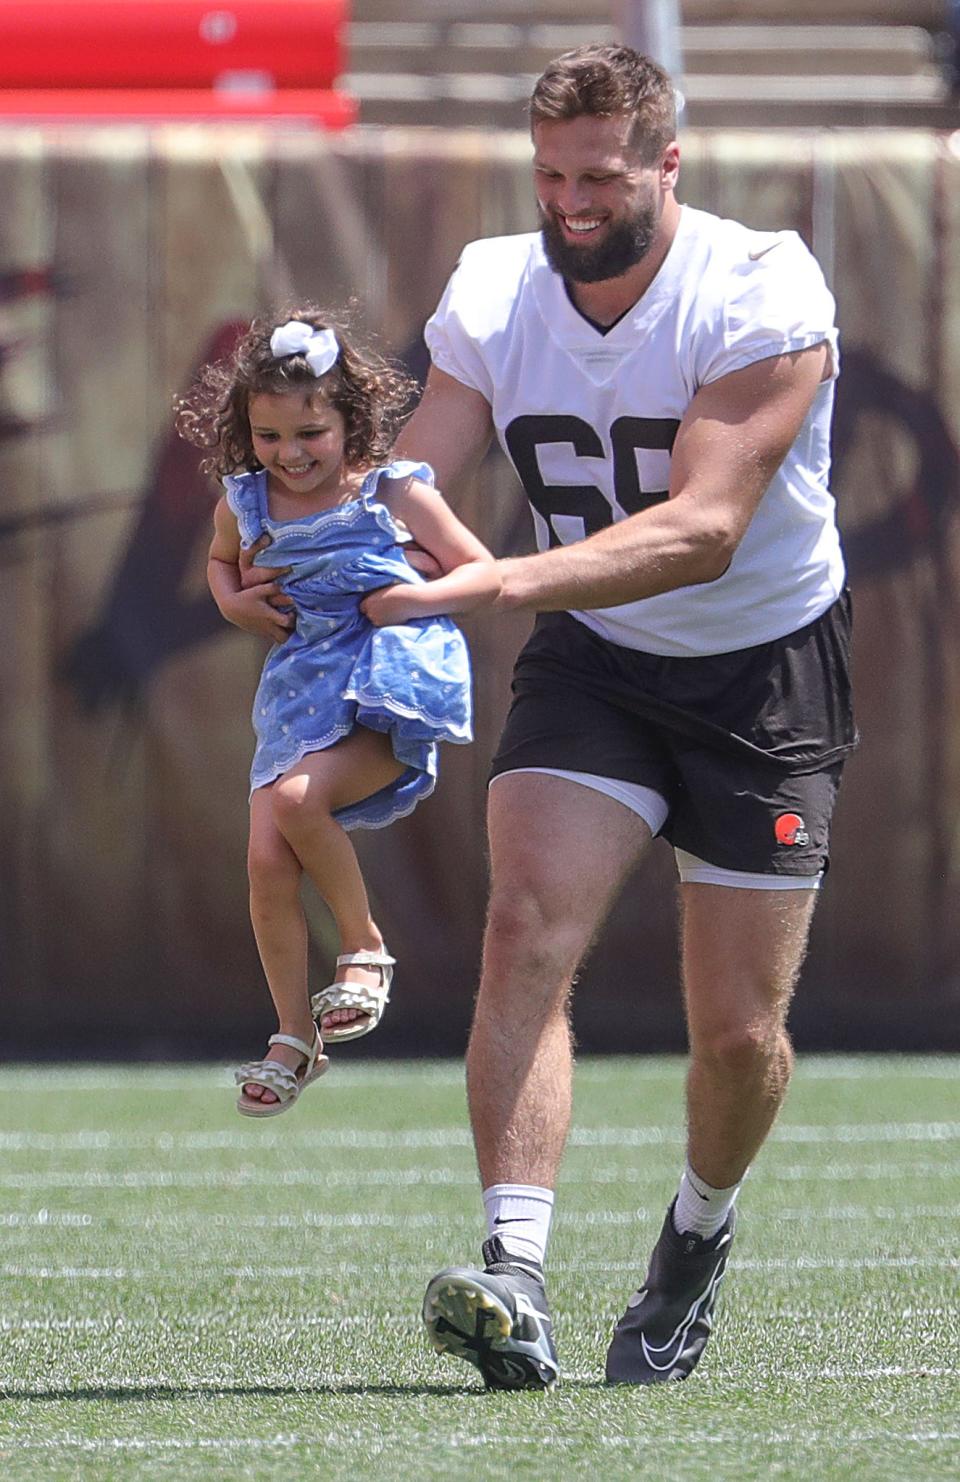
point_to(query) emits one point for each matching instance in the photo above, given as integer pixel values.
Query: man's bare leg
(559, 853)
(742, 951)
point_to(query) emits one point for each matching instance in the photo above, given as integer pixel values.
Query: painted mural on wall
(126, 259)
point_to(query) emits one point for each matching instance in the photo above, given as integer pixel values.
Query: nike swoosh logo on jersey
(756, 256)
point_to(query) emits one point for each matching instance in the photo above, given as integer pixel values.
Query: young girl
(351, 705)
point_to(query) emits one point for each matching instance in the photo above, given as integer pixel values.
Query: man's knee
(745, 1047)
(526, 936)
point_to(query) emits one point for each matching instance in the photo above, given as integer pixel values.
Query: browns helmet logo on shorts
(790, 829)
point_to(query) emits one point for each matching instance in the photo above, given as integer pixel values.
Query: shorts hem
(694, 871)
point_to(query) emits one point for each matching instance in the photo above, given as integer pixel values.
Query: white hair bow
(318, 346)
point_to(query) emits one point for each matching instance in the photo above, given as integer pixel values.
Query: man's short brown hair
(605, 82)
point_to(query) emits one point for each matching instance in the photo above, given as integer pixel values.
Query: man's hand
(261, 606)
(255, 576)
(254, 611)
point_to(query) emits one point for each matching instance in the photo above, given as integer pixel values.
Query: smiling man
(662, 381)
(598, 193)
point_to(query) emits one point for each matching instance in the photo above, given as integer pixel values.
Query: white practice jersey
(588, 418)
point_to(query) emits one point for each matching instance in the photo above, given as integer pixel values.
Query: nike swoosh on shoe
(674, 1345)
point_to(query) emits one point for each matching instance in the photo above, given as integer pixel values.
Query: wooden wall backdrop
(126, 256)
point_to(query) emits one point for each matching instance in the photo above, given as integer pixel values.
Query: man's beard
(624, 244)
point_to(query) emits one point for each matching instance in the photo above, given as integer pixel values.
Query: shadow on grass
(218, 1391)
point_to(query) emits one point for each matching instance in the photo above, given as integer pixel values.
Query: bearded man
(662, 381)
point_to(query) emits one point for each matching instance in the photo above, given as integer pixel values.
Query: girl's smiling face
(299, 440)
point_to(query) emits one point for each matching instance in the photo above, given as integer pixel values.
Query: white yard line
(360, 1441)
(313, 1220)
(138, 1179)
(206, 1076)
(14, 1270)
(797, 1263)
(94, 1140)
(240, 1178)
(239, 1326)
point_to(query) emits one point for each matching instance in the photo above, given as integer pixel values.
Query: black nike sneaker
(496, 1319)
(668, 1321)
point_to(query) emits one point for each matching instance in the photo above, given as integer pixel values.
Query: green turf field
(190, 1294)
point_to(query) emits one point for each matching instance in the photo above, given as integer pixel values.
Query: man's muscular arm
(450, 429)
(734, 436)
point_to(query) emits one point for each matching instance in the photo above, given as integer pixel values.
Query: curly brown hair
(370, 393)
(604, 81)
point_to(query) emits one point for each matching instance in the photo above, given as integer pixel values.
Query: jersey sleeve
(776, 301)
(450, 335)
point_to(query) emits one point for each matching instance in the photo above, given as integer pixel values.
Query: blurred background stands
(747, 63)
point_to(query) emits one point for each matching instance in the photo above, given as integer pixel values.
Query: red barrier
(169, 43)
(316, 107)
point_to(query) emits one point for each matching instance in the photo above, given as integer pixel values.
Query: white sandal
(369, 1001)
(286, 1084)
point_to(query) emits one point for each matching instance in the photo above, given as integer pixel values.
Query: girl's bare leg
(303, 801)
(280, 928)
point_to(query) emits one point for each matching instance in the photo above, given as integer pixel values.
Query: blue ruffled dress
(337, 670)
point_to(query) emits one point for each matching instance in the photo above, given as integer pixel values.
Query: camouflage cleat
(497, 1319)
(665, 1328)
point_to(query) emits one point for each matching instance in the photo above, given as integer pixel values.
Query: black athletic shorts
(746, 748)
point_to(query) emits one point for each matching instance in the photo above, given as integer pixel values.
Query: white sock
(519, 1215)
(701, 1209)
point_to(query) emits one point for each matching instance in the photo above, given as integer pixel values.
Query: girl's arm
(248, 609)
(470, 575)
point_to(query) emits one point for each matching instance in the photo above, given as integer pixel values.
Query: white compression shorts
(652, 807)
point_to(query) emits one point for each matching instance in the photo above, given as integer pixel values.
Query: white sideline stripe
(236, 1326)
(312, 1220)
(359, 1441)
(16, 1271)
(884, 1132)
(12, 1271)
(239, 1178)
(102, 1140)
(227, 1320)
(240, 1329)
(886, 1371)
(307, 1220)
(426, 1174)
(882, 1068)
(212, 1076)
(855, 1172)
(231, 1321)
(798, 1263)
(781, 1216)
